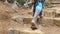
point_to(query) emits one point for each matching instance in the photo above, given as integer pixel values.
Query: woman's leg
(34, 20)
(37, 12)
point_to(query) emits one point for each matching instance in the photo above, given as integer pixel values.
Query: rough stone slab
(47, 12)
(28, 31)
(45, 20)
(55, 1)
(24, 31)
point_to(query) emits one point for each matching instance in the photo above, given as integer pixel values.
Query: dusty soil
(10, 18)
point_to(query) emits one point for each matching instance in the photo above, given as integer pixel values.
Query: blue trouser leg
(34, 8)
(37, 12)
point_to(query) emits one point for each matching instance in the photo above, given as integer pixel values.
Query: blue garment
(39, 6)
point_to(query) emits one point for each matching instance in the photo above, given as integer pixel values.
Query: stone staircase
(50, 14)
(49, 24)
(51, 18)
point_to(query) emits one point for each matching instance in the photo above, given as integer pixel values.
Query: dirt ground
(10, 18)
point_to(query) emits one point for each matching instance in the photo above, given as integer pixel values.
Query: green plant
(21, 2)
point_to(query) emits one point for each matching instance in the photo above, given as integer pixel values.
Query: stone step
(26, 30)
(46, 12)
(57, 11)
(55, 5)
(55, 1)
(44, 20)
(49, 12)
(21, 31)
(57, 14)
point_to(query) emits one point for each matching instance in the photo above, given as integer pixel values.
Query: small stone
(13, 31)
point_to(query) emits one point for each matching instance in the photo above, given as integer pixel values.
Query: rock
(57, 13)
(14, 6)
(17, 18)
(49, 12)
(13, 31)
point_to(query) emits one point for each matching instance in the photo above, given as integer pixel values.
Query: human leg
(37, 12)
